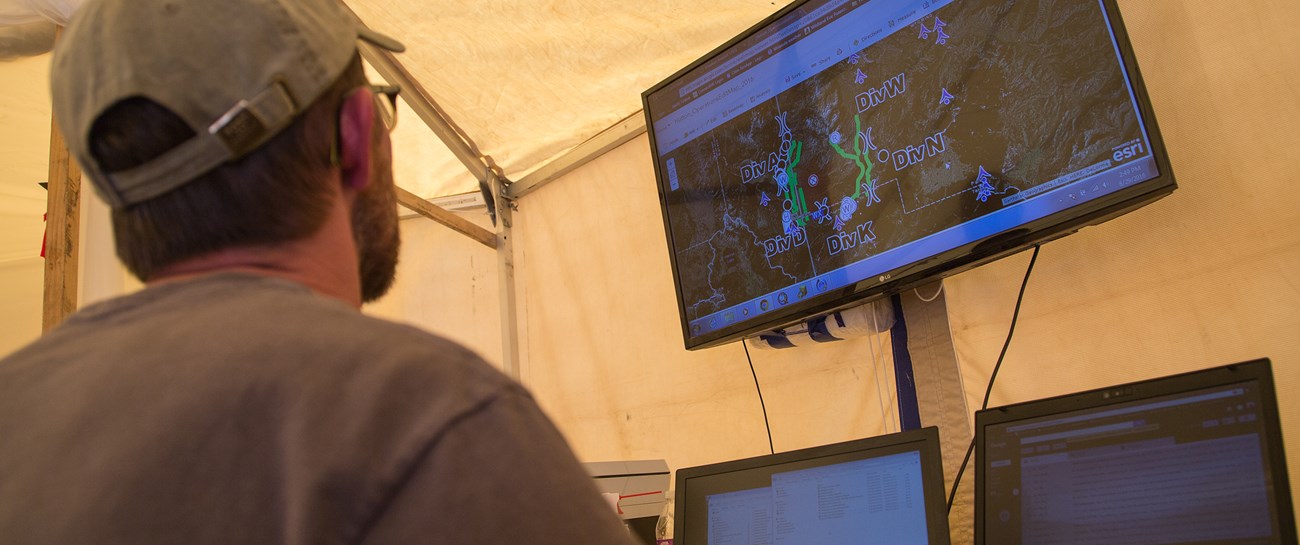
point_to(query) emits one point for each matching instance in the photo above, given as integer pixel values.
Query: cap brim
(380, 40)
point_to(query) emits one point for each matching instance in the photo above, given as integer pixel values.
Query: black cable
(956, 481)
(1015, 314)
(760, 397)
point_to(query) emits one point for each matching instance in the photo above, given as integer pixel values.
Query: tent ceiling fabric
(527, 81)
(17, 12)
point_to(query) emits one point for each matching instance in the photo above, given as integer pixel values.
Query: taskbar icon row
(759, 305)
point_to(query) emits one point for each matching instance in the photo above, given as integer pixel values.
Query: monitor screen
(843, 149)
(886, 490)
(1190, 459)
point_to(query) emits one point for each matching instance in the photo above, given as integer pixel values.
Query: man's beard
(374, 228)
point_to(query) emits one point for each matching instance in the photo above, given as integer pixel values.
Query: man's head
(211, 125)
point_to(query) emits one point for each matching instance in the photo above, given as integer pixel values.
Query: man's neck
(325, 261)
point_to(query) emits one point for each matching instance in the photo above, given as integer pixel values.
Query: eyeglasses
(387, 109)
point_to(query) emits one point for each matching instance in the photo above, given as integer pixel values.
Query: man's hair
(274, 194)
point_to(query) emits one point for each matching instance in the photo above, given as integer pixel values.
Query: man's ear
(356, 120)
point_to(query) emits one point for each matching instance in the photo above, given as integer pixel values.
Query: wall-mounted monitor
(845, 149)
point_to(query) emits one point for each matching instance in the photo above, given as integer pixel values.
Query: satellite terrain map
(973, 108)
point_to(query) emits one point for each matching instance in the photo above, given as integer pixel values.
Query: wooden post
(62, 224)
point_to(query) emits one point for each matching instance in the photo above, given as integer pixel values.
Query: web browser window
(1182, 468)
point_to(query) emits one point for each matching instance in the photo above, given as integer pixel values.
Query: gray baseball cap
(236, 71)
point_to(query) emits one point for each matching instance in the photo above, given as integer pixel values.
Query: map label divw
(874, 97)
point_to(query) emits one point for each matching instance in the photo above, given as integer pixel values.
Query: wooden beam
(456, 223)
(62, 224)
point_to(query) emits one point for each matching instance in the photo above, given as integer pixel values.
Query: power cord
(878, 342)
(766, 424)
(917, 291)
(1011, 331)
(876, 365)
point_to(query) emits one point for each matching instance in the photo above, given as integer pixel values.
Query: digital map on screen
(963, 111)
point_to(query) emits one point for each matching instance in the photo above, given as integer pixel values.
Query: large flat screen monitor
(885, 490)
(1194, 458)
(843, 149)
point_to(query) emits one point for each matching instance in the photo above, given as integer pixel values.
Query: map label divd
(783, 243)
(839, 242)
(874, 97)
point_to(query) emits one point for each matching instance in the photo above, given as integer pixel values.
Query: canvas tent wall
(1204, 277)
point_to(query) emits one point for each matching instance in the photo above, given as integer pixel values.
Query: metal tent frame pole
(481, 166)
(504, 192)
(620, 133)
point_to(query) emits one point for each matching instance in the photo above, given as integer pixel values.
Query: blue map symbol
(984, 185)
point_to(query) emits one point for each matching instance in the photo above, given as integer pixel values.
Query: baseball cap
(236, 71)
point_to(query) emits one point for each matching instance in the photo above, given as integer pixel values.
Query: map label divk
(839, 242)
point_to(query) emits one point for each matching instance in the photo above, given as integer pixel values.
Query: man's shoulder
(240, 329)
(256, 392)
(318, 335)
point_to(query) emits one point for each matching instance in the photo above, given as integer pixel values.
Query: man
(242, 397)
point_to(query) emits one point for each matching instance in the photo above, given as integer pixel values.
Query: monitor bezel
(942, 264)
(1259, 370)
(924, 440)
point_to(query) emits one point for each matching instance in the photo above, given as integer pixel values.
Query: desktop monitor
(845, 149)
(1192, 458)
(882, 490)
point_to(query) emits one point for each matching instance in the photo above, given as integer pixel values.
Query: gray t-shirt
(236, 408)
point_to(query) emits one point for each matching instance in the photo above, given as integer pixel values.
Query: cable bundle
(860, 321)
